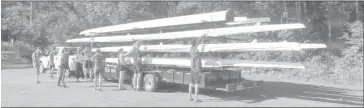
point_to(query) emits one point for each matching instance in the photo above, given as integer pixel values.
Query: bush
(349, 65)
(6, 46)
(23, 50)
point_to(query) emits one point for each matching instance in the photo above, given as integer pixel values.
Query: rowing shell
(218, 32)
(208, 63)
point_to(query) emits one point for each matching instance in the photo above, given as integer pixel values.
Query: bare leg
(190, 92)
(196, 93)
(85, 70)
(37, 78)
(59, 78)
(50, 72)
(135, 81)
(95, 82)
(121, 80)
(58, 73)
(100, 80)
(139, 79)
(63, 77)
(91, 74)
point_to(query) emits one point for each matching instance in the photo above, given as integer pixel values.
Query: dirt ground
(18, 89)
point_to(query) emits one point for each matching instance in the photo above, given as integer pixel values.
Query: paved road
(19, 89)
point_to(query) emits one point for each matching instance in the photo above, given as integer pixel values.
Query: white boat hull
(232, 47)
(209, 63)
(218, 32)
(166, 22)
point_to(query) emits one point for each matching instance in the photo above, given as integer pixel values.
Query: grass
(9, 60)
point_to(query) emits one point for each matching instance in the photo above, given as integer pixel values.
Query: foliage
(352, 62)
(6, 46)
(23, 50)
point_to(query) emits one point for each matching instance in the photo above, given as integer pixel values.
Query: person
(63, 66)
(36, 62)
(67, 67)
(137, 77)
(87, 64)
(196, 68)
(122, 68)
(78, 61)
(51, 61)
(135, 54)
(99, 67)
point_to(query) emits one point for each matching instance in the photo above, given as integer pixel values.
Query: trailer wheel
(150, 83)
(41, 68)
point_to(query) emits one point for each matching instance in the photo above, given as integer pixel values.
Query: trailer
(155, 76)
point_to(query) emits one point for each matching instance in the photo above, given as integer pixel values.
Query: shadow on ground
(274, 90)
(16, 67)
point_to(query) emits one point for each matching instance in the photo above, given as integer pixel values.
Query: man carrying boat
(196, 68)
(135, 53)
(137, 65)
(99, 67)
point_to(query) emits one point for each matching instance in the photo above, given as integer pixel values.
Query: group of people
(85, 61)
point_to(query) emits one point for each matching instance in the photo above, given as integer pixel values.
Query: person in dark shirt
(196, 68)
(99, 68)
(63, 66)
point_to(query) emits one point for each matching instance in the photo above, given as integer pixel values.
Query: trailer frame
(223, 80)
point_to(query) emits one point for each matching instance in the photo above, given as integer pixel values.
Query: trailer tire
(150, 83)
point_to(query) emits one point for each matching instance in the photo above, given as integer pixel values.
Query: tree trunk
(328, 17)
(167, 9)
(357, 10)
(31, 16)
(305, 10)
(284, 13)
(298, 10)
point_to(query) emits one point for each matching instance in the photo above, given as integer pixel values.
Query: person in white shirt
(87, 63)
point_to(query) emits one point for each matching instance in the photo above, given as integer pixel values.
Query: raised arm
(33, 58)
(93, 58)
(128, 53)
(200, 40)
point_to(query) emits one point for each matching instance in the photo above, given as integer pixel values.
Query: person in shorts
(99, 67)
(87, 64)
(78, 61)
(122, 68)
(196, 69)
(51, 65)
(36, 63)
(135, 54)
(63, 66)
